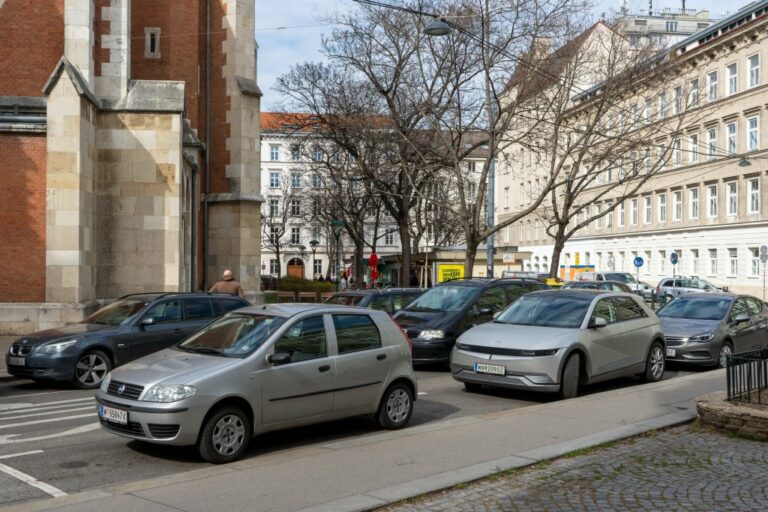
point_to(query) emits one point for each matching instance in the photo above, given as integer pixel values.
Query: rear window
(195, 309)
(355, 333)
(227, 305)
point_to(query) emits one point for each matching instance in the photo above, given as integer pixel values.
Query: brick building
(129, 136)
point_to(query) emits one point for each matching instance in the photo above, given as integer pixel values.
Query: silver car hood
(172, 367)
(686, 327)
(494, 334)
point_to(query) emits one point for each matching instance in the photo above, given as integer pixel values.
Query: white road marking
(42, 393)
(17, 410)
(77, 409)
(8, 438)
(42, 404)
(11, 455)
(34, 482)
(49, 420)
(422, 393)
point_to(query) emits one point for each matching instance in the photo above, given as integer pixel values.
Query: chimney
(650, 7)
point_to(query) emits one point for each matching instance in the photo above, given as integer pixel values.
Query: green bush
(295, 284)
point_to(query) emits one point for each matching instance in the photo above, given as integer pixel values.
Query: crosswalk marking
(49, 420)
(18, 410)
(34, 482)
(48, 413)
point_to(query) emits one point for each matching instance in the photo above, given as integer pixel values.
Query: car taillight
(405, 335)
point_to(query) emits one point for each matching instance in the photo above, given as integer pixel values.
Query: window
(712, 191)
(296, 236)
(295, 179)
(151, 42)
(506, 235)
(662, 101)
(304, 341)
(754, 70)
(693, 202)
(226, 305)
(647, 216)
(389, 238)
(712, 77)
(678, 99)
(628, 309)
(506, 197)
(318, 154)
(317, 267)
(648, 262)
(274, 179)
(662, 261)
(753, 133)
(677, 155)
(608, 216)
(274, 206)
(166, 311)
(633, 214)
(662, 199)
(755, 259)
(355, 333)
(694, 147)
(273, 266)
(622, 215)
(754, 195)
(295, 152)
(647, 160)
(662, 156)
(599, 219)
(296, 207)
(647, 112)
(274, 152)
(493, 299)
(671, 26)
(605, 309)
(711, 143)
(733, 79)
(677, 205)
(197, 308)
(733, 262)
(732, 198)
(693, 99)
(317, 180)
(730, 130)
(713, 262)
(695, 260)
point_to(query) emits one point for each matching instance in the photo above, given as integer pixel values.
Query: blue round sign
(673, 258)
(638, 261)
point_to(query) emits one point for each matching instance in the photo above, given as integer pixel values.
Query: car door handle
(381, 357)
(324, 368)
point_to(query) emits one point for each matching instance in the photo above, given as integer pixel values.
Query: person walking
(227, 284)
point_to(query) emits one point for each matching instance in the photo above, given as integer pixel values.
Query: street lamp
(313, 244)
(337, 225)
(437, 27)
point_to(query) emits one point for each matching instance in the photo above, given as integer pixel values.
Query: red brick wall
(22, 210)
(32, 43)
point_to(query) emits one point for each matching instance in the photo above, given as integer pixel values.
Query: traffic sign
(638, 261)
(673, 258)
(763, 258)
(764, 249)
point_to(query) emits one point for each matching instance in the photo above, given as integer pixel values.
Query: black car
(390, 300)
(131, 327)
(437, 318)
(611, 286)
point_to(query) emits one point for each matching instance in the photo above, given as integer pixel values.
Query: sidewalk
(381, 468)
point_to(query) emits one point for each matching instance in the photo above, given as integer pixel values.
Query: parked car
(669, 288)
(390, 300)
(638, 287)
(557, 341)
(611, 286)
(260, 369)
(705, 328)
(645, 290)
(553, 282)
(435, 319)
(131, 327)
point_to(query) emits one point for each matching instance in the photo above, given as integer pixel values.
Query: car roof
(581, 292)
(156, 295)
(376, 291)
(295, 308)
(710, 295)
(487, 281)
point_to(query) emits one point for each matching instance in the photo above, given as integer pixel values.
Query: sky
(289, 31)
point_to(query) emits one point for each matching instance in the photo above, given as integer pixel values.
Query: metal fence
(747, 376)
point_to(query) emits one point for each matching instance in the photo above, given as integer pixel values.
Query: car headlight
(431, 335)
(56, 348)
(168, 393)
(702, 337)
(105, 383)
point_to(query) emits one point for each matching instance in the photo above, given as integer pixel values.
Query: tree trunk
(359, 253)
(405, 243)
(469, 258)
(279, 266)
(556, 252)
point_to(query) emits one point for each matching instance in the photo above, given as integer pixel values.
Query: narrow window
(712, 191)
(733, 204)
(677, 205)
(754, 70)
(733, 79)
(694, 147)
(754, 195)
(712, 85)
(711, 143)
(151, 42)
(693, 199)
(731, 138)
(753, 133)
(662, 199)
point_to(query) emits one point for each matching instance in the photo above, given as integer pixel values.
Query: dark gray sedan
(705, 328)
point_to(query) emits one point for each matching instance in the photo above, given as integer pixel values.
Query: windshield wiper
(204, 350)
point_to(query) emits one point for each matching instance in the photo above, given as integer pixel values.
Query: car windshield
(345, 300)
(624, 278)
(117, 312)
(583, 284)
(444, 298)
(696, 308)
(547, 310)
(235, 335)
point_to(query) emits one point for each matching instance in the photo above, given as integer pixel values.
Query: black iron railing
(747, 376)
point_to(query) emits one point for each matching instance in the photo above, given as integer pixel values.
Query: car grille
(427, 352)
(132, 428)
(131, 391)
(163, 431)
(495, 350)
(17, 349)
(674, 341)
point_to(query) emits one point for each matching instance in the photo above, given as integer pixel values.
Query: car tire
(655, 363)
(726, 349)
(90, 369)
(471, 387)
(396, 407)
(569, 382)
(225, 435)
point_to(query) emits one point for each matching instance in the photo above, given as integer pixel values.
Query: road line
(41, 404)
(49, 420)
(10, 455)
(36, 394)
(10, 438)
(34, 482)
(28, 408)
(78, 409)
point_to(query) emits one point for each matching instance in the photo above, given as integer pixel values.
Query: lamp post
(337, 225)
(313, 245)
(302, 253)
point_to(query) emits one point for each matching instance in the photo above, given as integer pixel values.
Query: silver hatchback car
(558, 340)
(260, 369)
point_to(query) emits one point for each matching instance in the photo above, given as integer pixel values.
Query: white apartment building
(663, 26)
(710, 204)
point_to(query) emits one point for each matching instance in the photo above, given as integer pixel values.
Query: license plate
(113, 415)
(16, 361)
(493, 369)
(670, 352)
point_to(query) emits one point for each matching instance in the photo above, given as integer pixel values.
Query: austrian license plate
(493, 369)
(670, 352)
(113, 415)
(17, 361)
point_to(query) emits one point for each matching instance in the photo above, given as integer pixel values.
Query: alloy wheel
(725, 351)
(657, 362)
(91, 369)
(228, 435)
(398, 406)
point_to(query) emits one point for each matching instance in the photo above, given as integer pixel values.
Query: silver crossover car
(558, 340)
(259, 369)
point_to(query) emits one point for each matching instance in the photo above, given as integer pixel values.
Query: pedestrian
(227, 284)
(322, 279)
(342, 282)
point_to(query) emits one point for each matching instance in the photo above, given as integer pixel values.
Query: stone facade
(747, 421)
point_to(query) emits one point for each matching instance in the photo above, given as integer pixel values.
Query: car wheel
(91, 369)
(471, 387)
(654, 365)
(225, 436)
(396, 407)
(726, 349)
(569, 384)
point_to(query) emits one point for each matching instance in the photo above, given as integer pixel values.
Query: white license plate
(17, 361)
(670, 352)
(493, 369)
(113, 415)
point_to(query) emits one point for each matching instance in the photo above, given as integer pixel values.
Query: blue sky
(299, 41)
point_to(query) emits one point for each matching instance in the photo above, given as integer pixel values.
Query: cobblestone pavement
(685, 468)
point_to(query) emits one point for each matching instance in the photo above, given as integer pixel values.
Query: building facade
(661, 26)
(129, 135)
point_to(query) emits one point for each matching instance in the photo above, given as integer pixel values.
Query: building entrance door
(296, 268)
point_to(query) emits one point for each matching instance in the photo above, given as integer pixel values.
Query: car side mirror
(741, 318)
(597, 322)
(279, 358)
(485, 311)
(148, 320)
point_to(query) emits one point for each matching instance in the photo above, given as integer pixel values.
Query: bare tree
(276, 219)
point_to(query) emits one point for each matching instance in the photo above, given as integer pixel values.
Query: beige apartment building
(709, 204)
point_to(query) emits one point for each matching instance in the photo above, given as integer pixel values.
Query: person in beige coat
(228, 284)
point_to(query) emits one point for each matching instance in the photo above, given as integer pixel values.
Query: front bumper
(176, 423)
(529, 373)
(695, 353)
(432, 351)
(60, 367)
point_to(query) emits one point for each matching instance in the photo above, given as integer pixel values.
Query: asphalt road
(50, 441)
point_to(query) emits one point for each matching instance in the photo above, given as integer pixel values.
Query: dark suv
(131, 327)
(437, 318)
(390, 300)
